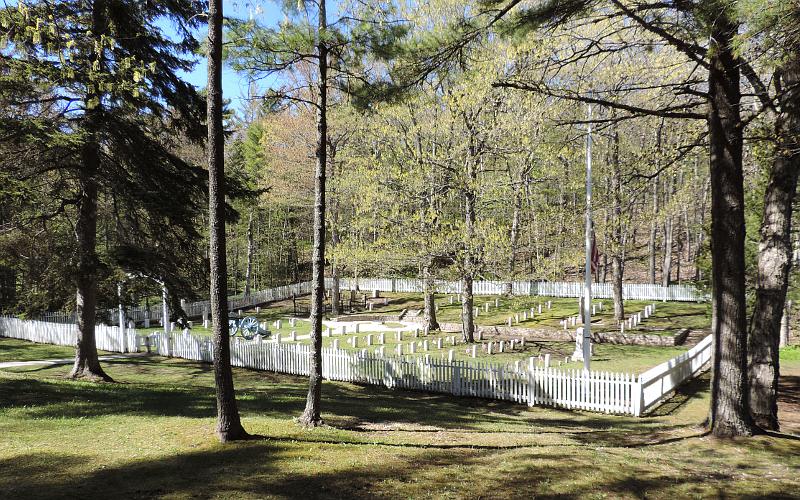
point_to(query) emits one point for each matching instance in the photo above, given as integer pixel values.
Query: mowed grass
(669, 317)
(151, 435)
(20, 350)
(609, 357)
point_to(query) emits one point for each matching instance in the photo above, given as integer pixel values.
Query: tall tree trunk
(729, 413)
(229, 426)
(787, 311)
(651, 246)
(666, 268)
(430, 299)
(467, 320)
(335, 239)
(513, 240)
(311, 415)
(617, 261)
(87, 364)
(775, 256)
(701, 230)
(248, 277)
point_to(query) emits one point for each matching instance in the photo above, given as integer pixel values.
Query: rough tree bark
(311, 415)
(651, 245)
(514, 239)
(248, 276)
(775, 256)
(787, 311)
(229, 426)
(666, 267)
(729, 412)
(335, 239)
(467, 320)
(87, 364)
(617, 263)
(430, 299)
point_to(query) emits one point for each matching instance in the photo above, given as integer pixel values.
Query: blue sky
(234, 86)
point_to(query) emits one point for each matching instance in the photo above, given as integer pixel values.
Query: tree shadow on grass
(318, 470)
(182, 388)
(696, 388)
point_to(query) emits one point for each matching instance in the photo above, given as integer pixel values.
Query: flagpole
(587, 291)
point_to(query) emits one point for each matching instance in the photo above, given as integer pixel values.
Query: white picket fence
(193, 309)
(630, 291)
(575, 389)
(108, 338)
(664, 378)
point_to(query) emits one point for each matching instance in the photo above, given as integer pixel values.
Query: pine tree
(92, 85)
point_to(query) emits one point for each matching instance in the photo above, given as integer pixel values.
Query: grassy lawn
(609, 357)
(632, 359)
(21, 350)
(152, 436)
(668, 318)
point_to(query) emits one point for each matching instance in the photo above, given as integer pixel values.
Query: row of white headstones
(633, 320)
(476, 311)
(415, 346)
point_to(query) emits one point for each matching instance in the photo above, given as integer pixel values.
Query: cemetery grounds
(151, 434)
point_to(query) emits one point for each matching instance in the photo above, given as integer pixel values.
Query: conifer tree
(91, 87)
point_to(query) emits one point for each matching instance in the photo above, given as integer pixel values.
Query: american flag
(595, 258)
